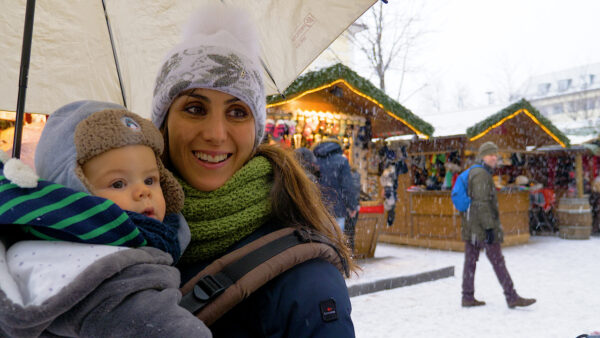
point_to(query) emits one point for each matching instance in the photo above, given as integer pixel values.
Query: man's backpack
(460, 194)
(232, 278)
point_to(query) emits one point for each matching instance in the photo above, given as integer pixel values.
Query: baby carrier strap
(230, 279)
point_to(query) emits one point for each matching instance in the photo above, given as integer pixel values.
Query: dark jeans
(595, 221)
(350, 229)
(494, 254)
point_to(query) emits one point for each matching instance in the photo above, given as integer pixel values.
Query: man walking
(481, 229)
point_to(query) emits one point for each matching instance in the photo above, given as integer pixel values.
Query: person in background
(594, 200)
(350, 224)
(481, 229)
(336, 180)
(209, 103)
(389, 182)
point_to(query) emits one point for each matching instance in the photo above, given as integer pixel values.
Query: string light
(342, 81)
(533, 118)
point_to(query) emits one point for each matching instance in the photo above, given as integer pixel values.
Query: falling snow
(561, 274)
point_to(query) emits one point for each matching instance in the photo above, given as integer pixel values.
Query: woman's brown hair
(296, 200)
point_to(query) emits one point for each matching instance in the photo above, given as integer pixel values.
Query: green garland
(338, 71)
(523, 104)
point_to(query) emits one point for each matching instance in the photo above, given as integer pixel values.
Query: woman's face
(210, 137)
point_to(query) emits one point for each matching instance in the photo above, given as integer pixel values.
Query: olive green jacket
(483, 211)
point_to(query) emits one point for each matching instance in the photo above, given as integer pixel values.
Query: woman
(209, 103)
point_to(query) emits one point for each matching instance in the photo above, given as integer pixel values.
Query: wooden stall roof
(516, 127)
(434, 145)
(339, 89)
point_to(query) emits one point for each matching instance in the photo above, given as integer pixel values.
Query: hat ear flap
(79, 174)
(171, 189)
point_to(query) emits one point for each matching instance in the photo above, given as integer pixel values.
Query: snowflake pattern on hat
(210, 67)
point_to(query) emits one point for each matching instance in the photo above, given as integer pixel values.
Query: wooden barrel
(370, 220)
(574, 218)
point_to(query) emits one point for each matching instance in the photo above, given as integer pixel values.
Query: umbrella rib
(112, 45)
(262, 62)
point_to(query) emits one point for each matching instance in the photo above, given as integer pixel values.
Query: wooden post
(579, 175)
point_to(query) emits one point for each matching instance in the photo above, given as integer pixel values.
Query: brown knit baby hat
(116, 128)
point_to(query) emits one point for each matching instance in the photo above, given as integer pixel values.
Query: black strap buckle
(207, 288)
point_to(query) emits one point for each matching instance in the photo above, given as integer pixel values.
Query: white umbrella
(72, 54)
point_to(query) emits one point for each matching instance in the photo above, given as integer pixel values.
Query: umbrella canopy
(72, 54)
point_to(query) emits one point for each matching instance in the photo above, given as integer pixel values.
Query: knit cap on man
(488, 148)
(219, 51)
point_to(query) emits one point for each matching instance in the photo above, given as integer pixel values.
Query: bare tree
(462, 96)
(386, 40)
(508, 77)
(434, 94)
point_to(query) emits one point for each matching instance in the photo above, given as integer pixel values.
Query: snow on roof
(581, 139)
(457, 122)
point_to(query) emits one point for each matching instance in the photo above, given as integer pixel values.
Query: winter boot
(471, 302)
(520, 301)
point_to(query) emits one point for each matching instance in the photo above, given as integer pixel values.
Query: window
(563, 85)
(592, 78)
(543, 88)
(557, 108)
(574, 106)
(590, 104)
(544, 110)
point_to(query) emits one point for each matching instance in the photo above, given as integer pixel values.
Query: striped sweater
(52, 211)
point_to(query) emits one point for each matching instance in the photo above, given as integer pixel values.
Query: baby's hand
(18, 172)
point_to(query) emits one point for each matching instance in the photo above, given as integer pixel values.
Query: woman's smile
(211, 157)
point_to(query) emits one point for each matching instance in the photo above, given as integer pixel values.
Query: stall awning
(516, 127)
(338, 87)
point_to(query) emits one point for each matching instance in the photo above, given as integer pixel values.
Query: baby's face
(129, 177)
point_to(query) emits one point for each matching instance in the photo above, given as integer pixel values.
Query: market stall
(32, 129)
(337, 102)
(569, 174)
(430, 219)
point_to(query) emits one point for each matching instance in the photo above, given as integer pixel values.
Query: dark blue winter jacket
(288, 305)
(336, 179)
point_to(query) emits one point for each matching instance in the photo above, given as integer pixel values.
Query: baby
(74, 289)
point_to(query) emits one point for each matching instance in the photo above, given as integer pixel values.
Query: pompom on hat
(219, 51)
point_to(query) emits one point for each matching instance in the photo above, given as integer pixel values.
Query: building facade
(569, 98)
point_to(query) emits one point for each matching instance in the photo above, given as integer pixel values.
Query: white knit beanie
(219, 51)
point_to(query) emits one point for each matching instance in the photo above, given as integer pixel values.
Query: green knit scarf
(220, 218)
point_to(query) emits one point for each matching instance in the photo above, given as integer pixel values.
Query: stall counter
(430, 220)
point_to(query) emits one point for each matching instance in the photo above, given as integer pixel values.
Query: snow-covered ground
(563, 275)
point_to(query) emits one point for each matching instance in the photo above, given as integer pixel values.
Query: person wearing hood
(336, 180)
(98, 270)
